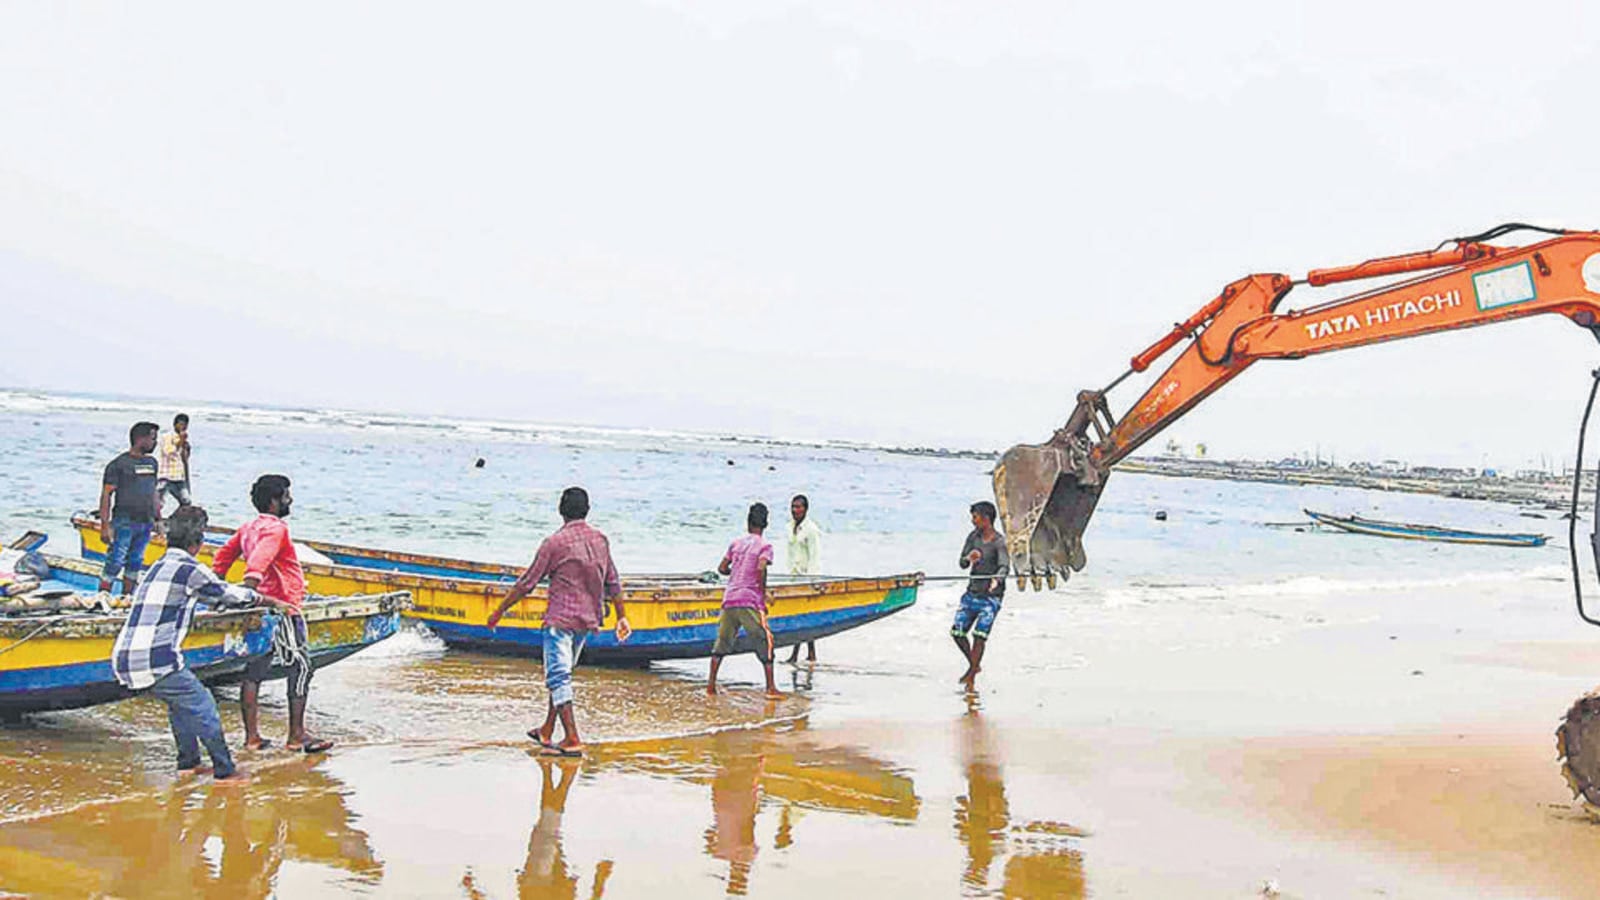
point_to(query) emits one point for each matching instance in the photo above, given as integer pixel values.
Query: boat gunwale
(635, 588)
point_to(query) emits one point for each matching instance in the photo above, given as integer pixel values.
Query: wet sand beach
(1135, 766)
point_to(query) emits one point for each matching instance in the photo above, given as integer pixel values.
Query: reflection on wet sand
(192, 840)
(545, 873)
(747, 768)
(1042, 862)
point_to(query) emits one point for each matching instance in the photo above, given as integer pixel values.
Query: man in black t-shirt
(125, 527)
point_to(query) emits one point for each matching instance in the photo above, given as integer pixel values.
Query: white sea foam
(13, 400)
(1316, 586)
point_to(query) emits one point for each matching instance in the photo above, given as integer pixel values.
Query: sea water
(1156, 636)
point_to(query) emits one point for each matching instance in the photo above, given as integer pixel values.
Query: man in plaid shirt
(577, 560)
(148, 655)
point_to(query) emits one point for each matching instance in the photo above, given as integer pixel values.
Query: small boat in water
(1358, 525)
(62, 660)
(673, 616)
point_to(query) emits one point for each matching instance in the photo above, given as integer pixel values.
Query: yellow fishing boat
(673, 616)
(63, 660)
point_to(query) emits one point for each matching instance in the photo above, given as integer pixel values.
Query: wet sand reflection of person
(1041, 863)
(982, 814)
(163, 846)
(735, 799)
(545, 872)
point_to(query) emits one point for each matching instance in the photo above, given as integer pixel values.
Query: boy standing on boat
(130, 479)
(172, 476)
(744, 602)
(273, 569)
(148, 652)
(985, 554)
(577, 560)
(805, 556)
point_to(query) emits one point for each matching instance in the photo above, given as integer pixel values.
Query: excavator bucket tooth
(1045, 505)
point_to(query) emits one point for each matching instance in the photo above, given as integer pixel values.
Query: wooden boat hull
(1406, 531)
(673, 616)
(64, 662)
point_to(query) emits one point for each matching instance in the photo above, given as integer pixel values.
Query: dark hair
(186, 527)
(758, 516)
(141, 429)
(574, 504)
(267, 489)
(803, 501)
(180, 419)
(985, 508)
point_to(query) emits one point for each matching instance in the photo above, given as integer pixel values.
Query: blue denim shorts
(975, 614)
(562, 647)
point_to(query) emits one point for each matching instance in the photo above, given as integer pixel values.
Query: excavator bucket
(1045, 503)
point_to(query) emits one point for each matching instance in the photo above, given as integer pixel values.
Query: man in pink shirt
(744, 602)
(577, 560)
(272, 569)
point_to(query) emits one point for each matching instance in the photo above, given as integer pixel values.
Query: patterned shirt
(170, 458)
(147, 648)
(269, 556)
(577, 560)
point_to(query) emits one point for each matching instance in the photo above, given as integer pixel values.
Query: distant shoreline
(1554, 493)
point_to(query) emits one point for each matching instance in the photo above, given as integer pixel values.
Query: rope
(806, 579)
(41, 630)
(287, 651)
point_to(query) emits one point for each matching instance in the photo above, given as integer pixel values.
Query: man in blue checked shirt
(147, 653)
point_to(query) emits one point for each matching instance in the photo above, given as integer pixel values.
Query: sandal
(316, 745)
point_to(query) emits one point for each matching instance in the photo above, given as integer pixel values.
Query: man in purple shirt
(744, 602)
(577, 560)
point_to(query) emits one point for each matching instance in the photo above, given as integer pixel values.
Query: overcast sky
(914, 222)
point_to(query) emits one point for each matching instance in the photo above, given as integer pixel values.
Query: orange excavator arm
(1046, 493)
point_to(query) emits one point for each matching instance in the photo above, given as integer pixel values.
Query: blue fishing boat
(56, 640)
(1407, 531)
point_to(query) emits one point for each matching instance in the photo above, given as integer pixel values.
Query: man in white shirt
(805, 556)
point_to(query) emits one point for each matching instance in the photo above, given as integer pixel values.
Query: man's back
(745, 556)
(147, 647)
(577, 560)
(269, 555)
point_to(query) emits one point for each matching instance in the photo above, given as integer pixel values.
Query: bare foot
(258, 744)
(711, 690)
(239, 776)
(966, 676)
(196, 770)
(775, 694)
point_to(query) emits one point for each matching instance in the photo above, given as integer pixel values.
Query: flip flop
(320, 745)
(266, 744)
(533, 733)
(563, 752)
